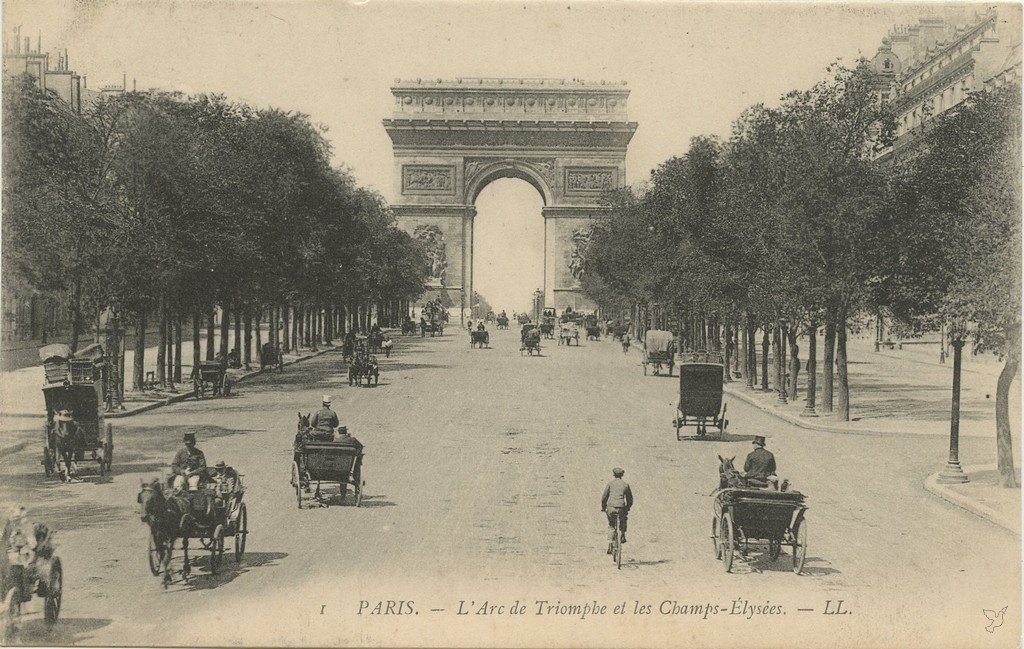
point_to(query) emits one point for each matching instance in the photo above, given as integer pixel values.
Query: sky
(691, 68)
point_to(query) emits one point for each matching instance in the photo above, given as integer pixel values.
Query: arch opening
(508, 242)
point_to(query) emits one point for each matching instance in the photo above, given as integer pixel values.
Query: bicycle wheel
(617, 550)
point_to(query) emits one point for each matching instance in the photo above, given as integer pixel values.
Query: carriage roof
(86, 400)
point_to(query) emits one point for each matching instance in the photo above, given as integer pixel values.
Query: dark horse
(167, 518)
(66, 439)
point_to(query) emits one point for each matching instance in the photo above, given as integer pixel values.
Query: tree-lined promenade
(161, 207)
(792, 228)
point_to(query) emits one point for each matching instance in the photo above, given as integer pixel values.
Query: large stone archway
(452, 138)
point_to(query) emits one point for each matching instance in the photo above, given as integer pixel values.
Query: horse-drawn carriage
(479, 338)
(658, 351)
(324, 463)
(434, 328)
(74, 396)
(363, 366)
(700, 393)
(619, 331)
(502, 321)
(28, 566)
(211, 513)
(212, 377)
(568, 333)
(591, 327)
(744, 515)
(271, 356)
(408, 327)
(529, 340)
(547, 324)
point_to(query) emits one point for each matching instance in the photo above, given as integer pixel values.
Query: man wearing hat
(616, 502)
(189, 465)
(760, 463)
(324, 421)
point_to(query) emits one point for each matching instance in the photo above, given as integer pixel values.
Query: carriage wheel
(774, 547)
(12, 609)
(359, 492)
(297, 483)
(153, 554)
(241, 532)
(645, 369)
(714, 538)
(799, 546)
(54, 593)
(728, 542)
(216, 548)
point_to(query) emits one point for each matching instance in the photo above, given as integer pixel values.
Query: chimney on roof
(39, 43)
(67, 65)
(85, 81)
(28, 45)
(133, 85)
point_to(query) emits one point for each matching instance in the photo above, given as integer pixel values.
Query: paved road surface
(483, 476)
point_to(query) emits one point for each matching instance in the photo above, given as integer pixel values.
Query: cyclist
(615, 503)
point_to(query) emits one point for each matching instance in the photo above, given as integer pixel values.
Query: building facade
(928, 68)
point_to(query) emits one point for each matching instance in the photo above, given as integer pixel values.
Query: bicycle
(617, 541)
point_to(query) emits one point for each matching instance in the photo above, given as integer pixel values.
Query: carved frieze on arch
(539, 172)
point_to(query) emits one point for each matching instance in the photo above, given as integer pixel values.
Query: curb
(932, 485)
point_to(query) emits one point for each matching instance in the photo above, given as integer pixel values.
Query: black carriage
(211, 377)
(432, 328)
(700, 394)
(529, 340)
(75, 383)
(591, 327)
(408, 327)
(214, 512)
(659, 351)
(503, 321)
(479, 339)
(619, 331)
(271, 356)
(325, 463)
(745, 516)
(567, 334)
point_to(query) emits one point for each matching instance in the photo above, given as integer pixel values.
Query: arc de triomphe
(451, 138)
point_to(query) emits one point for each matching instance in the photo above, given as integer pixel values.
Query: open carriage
(592, 328)
(568, 334)
(74, 395)
(324, 463)
(659, 351)
(547, 324)
(28, 566)
(271, 356)
(363, 367)
(745, 516)
(700, 393)
(479, 339)
(529, 340)
(211, 377)
(212, 513)
(502, 321)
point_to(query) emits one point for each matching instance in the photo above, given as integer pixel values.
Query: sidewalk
(21, 391)
(982, 496)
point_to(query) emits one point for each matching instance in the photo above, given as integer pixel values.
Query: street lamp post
(954, 473)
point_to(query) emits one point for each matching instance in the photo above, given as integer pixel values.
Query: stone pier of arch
(451, 139)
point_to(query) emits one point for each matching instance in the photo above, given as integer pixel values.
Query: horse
(730, 478)
(167, 518)
(66, 438)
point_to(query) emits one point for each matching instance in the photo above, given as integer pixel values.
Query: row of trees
(793, 227)
(160, 207)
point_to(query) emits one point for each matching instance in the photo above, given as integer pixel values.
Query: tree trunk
(794, 362)
(197, 348)
(177, 349)
(728, 354)
(342, 314)
(812, 368)
(247, 340)
(1004, 439)
(76, 316)
(828, 383)
(328, 325)
(296, 326)
(225, 330)
(161, 350)
(286, 331)
(257, 324)
(139, 362)
(843, 405)
(237, 347)
(765, 349)
(211, 334)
